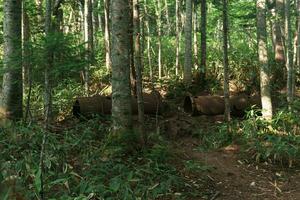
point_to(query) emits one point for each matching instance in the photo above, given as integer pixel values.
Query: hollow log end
(189, 106)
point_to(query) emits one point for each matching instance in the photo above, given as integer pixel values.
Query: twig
(215, 195)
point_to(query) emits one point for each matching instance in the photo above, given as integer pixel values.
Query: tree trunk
(203, 42)
(188, 44)
(263, 60)
(89, 41)
(106, 35)
(195, 21)
(26, 64)
(225, 62)
(148, 40)
(25, 47)
(96, 15)
(138, 64)
(289, 56)
(11, 97)
(167, 17)
(279, 49)
(298, 36)
(159, 24)
(177, 36)
(121, 93)
(48, 67)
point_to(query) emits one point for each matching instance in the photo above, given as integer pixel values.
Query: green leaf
(37, 181)
(115, 184)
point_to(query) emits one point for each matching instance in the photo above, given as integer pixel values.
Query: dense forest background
(134, 99)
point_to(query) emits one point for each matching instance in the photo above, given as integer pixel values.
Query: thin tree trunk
(11, 97)
(203, 42)
(188, 63)
(159, 34)
(195, 20)
(167, 17)
(177, 37)
(27, 82)
(148, 39)
(263, 60)
(26, 47)
(48, 67)
(89, 42)
(296, 45)
(225, 62)
(138, 65)
(96, 15)
(289, 56)
(279, 49)
(106, 35)
(120, 49)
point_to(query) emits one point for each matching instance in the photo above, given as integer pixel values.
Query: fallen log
(215, 105)
(101, 105)
(207, 105)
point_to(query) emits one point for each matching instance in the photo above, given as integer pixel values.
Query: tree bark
(121, 93)
(11, 97)
(263, 60)
(195, 27)
(289, 55)
(48, 67)
(138, 64)
(89, 41)
(167, 17)
(159, 33)
(279, 48)
(106, 35)
(225, 61)
(188, 44)
(177, 37)
(148, 40)
(203, 41)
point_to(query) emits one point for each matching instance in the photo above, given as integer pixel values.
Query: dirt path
(236, 178)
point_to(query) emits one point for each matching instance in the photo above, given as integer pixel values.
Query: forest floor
(229, 173)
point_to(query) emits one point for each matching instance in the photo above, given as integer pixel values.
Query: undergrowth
(79, 164)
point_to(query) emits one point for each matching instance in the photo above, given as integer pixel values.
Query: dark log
(101, 105)
(207, 105)
(214, 105)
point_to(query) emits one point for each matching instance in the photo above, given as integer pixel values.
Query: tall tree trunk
(203, 41)
(25, 47)
(121, 93)
(225, 61)
(106, 35)
(263, 60)
(48, 67)
(96, 15)
(298, 35)
(89, 41)
(159, 34)
(289, 56)
(138, 64)
(167, 17)
(148, 39)
(177, 36)
(195, 27)
(27, 81)
(11, 97)
(188, 63)
(279, 49)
